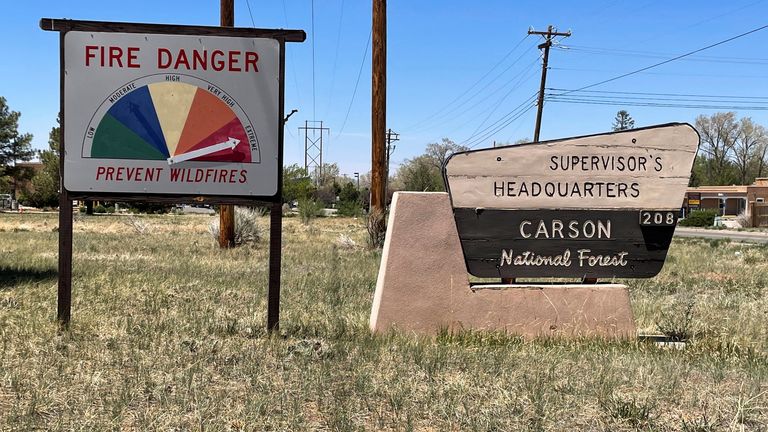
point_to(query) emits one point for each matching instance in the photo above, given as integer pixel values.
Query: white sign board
(637, 169)
(171, 114)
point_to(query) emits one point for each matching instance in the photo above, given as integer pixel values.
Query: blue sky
(452, 70)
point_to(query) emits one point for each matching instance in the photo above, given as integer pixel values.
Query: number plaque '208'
(658, 218)
(599, 206)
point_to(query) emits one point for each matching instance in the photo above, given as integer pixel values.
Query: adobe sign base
(423, 286)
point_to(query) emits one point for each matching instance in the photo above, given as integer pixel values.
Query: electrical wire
(669, 60)
(649, 54)
(522, 80)
(498, 124)
(655, 104)
(443, 118)
(509, 122)
(662, 94)
(248, 3)
(335, 59)
(464, 93)
(677, 74)
(314, 112)
(359, 72)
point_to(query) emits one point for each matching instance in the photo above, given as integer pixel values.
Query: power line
(473, 85)
(649, 54)
(313, 62)
(655, 104)
(529, 69)
(509, 122)
(495, 127)
(335, 58)
(678, 74)
(669, 60)
(292, 62)
(505, 96)
(360, 72)
(248, 3)
(663, 94)
(443, 118)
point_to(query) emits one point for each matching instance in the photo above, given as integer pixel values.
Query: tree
(750, 137)
(329, 174)
(719, 133)
(623, 121)
(296, 184)
(420, 174)
(46, 182)
(438, 153)
(14, 147)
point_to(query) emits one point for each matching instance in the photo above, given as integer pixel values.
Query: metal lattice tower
(313, 147)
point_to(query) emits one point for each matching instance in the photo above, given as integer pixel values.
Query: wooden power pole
(227, 211)
(379, 106)
(548, 35)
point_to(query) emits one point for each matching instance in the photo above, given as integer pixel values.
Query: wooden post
(276, 213)
(227, 211)
(379, 105)
(64, 294)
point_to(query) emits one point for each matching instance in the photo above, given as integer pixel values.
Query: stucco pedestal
(423, 285)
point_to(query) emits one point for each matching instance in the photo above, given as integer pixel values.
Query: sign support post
(64, 295)
(276, 216)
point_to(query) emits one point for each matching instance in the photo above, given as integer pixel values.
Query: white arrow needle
(231, 143)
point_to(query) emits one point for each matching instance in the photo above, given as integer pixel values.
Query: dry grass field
(168, 334)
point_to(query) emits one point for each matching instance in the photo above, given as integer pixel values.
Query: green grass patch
(168, 334)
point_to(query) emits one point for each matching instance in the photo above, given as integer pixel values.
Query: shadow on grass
(9, 277)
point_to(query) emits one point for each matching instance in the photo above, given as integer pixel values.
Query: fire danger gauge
(175, 118)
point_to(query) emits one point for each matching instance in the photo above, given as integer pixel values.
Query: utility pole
(391, 137)
(227, 211)
(548, 35)
(379, 105)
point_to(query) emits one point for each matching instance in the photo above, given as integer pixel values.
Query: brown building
(728, 200)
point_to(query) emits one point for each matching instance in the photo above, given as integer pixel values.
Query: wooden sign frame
(515, 221)
(64, 298)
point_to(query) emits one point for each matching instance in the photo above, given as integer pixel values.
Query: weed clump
(309, 209)
(247, 226)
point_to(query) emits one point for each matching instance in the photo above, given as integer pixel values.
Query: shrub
(744, 220)
(377, 228)
(99, 209)
(700, 218)
(350, 208)
(247, 228)
(309, 209)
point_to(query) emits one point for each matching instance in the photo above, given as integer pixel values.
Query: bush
(247, 228)
(350, 208)
(99, 209)
(700, 218)
(744, 220)
(377, 228)
(309, 209)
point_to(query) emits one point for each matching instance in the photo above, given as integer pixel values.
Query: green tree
(420, 174)
(46, 182)
(719, 133)
(14, 147)
(623, 121)
(425, 172)
(297, 185)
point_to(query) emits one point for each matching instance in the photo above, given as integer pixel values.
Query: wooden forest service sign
(588, 207)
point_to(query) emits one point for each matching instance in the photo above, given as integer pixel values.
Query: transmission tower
(313, 147)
